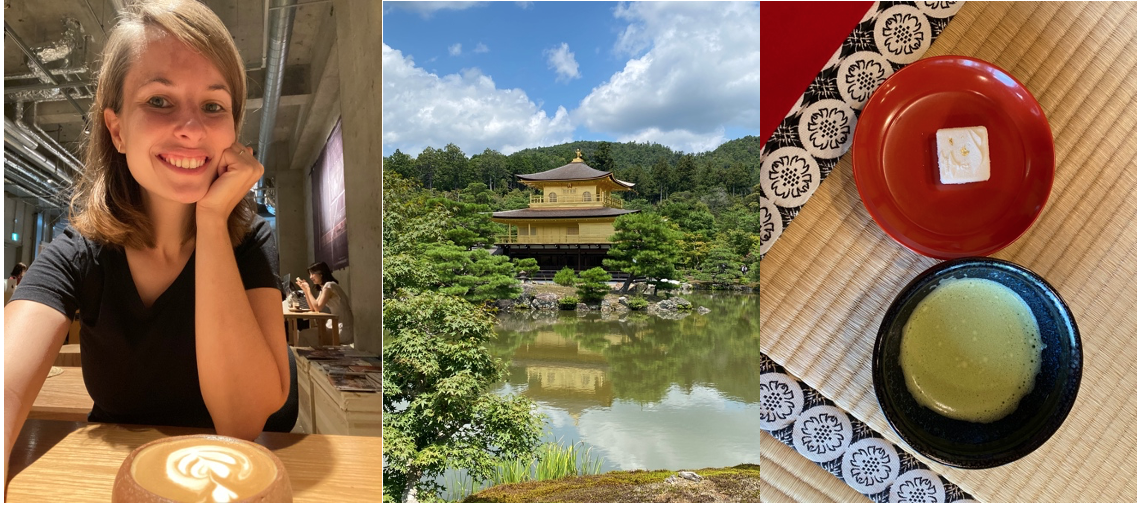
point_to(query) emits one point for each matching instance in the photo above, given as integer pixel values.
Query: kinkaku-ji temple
(570, 221)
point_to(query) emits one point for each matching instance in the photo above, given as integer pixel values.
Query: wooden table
(58, 461)
(291, 318)
(63, 397)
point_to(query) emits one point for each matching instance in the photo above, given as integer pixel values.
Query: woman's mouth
(184, 163)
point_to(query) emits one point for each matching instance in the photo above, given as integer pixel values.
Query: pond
(641, 391)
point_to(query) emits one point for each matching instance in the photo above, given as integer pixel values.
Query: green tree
(689, 214)
(475, 275)
(593, 285)
(401, 164)
(427, 164)
(737, 178)
(454, 172)
(490, 167)
(438, 409)
(526, 267)
(566, 276)
(467, 225)
(721, 267)
(686, 172)
(602, 159)
(665, 177)
(644, 245)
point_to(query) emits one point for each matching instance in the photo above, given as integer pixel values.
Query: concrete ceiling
(39, 22)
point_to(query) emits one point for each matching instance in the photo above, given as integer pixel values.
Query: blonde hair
(107, 204)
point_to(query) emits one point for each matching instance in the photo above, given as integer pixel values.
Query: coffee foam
(203, 470)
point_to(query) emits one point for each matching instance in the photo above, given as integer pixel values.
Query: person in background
(172, 270)
(13, 280)
(331, 296)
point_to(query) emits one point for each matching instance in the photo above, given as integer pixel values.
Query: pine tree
(644, 245)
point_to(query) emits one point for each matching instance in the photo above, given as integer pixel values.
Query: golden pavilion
(570, 221)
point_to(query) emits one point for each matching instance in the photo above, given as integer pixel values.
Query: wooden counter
(58, 461)
(63, 397)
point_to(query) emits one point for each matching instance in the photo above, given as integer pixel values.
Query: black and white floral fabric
(802, 418)
(819, 128)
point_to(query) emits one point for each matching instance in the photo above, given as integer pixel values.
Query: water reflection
(644, 392)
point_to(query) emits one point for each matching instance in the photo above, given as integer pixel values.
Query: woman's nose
(190, 126)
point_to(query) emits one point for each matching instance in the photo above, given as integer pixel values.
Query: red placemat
(791, 58)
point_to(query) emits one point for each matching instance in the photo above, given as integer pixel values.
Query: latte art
(203, 470)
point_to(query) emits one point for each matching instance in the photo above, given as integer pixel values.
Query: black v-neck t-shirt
(139, 363)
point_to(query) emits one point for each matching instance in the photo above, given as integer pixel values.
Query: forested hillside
(656, 170)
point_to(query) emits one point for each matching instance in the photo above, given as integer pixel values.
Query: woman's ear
(112, 121)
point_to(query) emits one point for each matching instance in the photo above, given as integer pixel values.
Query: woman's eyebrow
(167, 82)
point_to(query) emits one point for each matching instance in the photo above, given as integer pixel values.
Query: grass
(736, 484)
(554, 461)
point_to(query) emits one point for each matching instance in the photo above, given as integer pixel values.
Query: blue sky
(512, 75)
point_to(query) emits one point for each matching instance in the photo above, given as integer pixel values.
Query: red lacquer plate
(894, 158)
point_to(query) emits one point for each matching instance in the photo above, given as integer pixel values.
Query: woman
(14, 280)
(331, 295)
(172, 271)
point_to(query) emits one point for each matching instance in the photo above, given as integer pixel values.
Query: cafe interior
(312, 122)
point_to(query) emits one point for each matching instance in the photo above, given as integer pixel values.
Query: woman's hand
(238, 171)
(304, 285)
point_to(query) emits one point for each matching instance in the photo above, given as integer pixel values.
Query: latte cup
(202, 468)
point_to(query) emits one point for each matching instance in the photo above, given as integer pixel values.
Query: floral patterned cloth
(802, 418)
(800, 154)
(818, 130)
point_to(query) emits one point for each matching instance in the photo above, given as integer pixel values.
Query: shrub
(637, 303)
(592, 285)
(570, 302)
(566, 277)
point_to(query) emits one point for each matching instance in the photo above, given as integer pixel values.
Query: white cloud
(524, 5)
(481, 48)
(423, 109)
(679, 139)
(694, 70)
(455, 49)
(426, 9)
(562, 61)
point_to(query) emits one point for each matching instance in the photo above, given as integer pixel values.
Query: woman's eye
(157, 102)
(214, 107)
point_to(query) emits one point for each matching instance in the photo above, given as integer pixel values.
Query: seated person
(172, 270)
(331, 296)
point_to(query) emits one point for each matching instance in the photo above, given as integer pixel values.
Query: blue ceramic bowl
(1039, 414)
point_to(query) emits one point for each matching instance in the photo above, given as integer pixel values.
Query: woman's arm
(318, 304)
(33, 335)
(243, 368)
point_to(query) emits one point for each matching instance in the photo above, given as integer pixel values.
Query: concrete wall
(359, 36)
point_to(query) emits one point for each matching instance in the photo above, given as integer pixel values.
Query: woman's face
(315, 278)
(175, 120)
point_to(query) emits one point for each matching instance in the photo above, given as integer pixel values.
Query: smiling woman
(169, 268)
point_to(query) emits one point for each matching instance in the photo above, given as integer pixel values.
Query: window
(552, 197)
(586, 197)
(572, 229)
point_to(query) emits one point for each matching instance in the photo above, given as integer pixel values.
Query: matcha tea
(971, 350)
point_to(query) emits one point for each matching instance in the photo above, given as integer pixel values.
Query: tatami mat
(827, 282)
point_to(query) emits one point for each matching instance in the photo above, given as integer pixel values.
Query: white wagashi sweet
(963, 155)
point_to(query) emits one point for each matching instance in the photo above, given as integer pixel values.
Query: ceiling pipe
(47, 180)
(46, 86)
(35, 62)
(11, 183)
(54, 72)
(280, 34)
(53, 145)
(33, 182)
(10, 129)
(48, 143)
